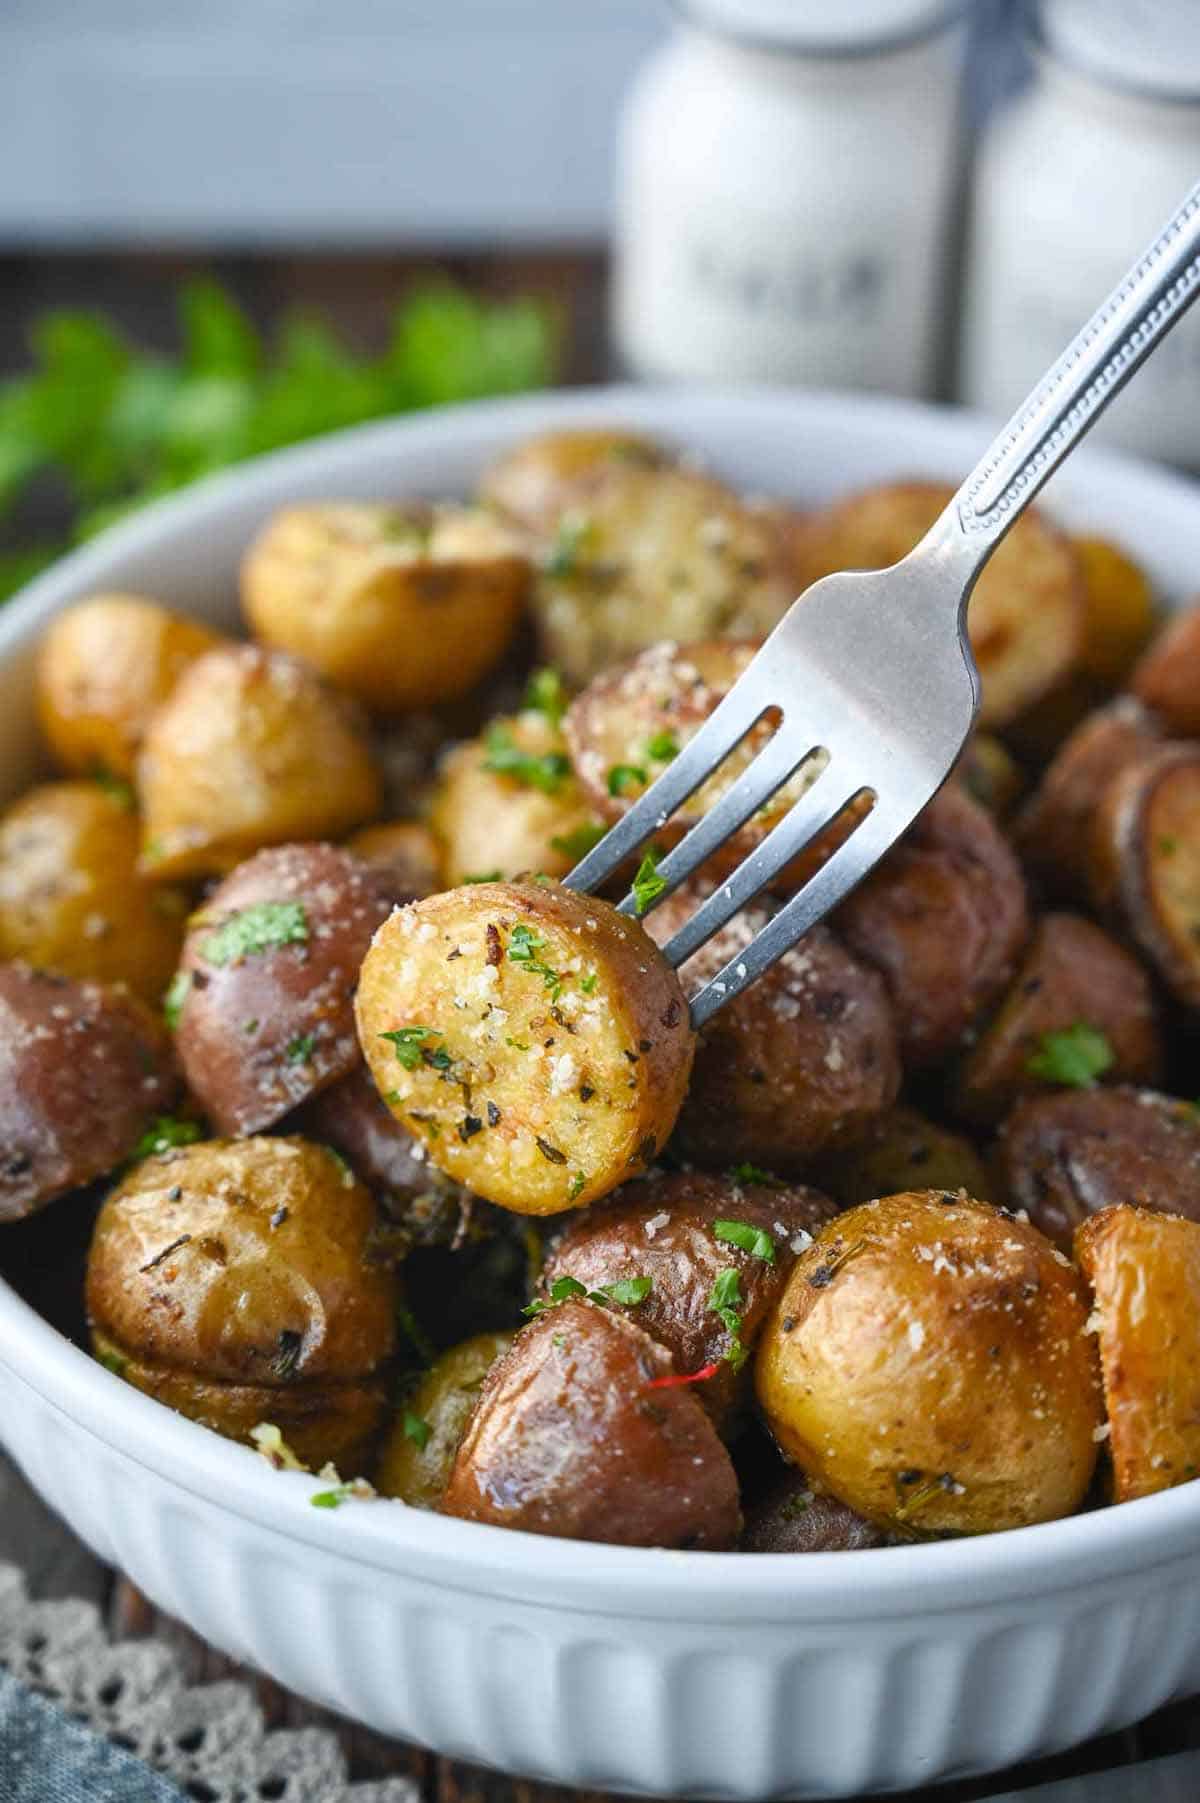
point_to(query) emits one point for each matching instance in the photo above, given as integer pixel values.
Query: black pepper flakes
(280, 1216)
(495, 951)
(175, 1193)
(493, 1115)
(469, 1126)
(586, 1092)
(153, 1264)
(551, 1152)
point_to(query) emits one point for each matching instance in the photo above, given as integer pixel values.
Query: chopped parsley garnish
(331, 1499)
(118, 790)
(176, 996)
(751, 1173)
(561, 1290)
(578, 1185)
(647, 884)
(570, 540)
(483, 876)
(725, 1301)
(580, 840)
(748, 1238)
(407, 1043)
(417, 1430)
(523, 946)
(546, 694)
(165, 1133)
(1075, 1056)
(547, 770)
(262, 927)
(587, 985)
(627, 1292)
(662, 747)
(625, 776)
(300, 1049)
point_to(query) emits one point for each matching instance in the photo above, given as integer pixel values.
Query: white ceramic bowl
(687, 1673)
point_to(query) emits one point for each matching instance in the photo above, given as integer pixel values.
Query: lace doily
(209, 1739)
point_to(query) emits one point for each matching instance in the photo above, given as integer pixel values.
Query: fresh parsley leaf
(662, 747)
(627, 1291)
(578, 1185)
(580, 840)
(547, 770)
(331, 1499)
(587, 985)
(164, 1133)
(625, 776)
(407, 1043)
(561, 1290)
(647, 884)
(300, 1049)
(523, 947)
(571, 538)
(546, 694)
(177, 994)
(417, 1430)
(748, 1238)
(751, 1173)
(1075, 1056)
(725, 1301)
(262, 927)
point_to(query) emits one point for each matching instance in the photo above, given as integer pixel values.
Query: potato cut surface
(535, 1041)
(1146, 862)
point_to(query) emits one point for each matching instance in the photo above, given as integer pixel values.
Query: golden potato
(104, 665)
(1144, 1269)
(401, 607)
(534, 482)
(237, 1276)
(406, 849)
(535, 1040)
(419, 1451)
(1027, 614)
(1167, 677)
(508, 804)
(902, 1150)
(928, 1366)
(1119, 605)
(71, 898)
(249, 750)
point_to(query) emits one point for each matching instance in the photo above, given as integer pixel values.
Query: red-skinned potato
(569, 1438)
(1075, 984)
(800, 1062)
(1065, 1157)
(563, 1074)
(84, 1071)
(943, 919)
(263, 1004)
(793, 1518)
(664, 1227)
(1167, 677)
(927, 1365)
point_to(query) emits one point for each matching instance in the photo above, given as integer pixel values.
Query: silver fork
(871, 671)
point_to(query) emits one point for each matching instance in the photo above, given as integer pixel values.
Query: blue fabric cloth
(45, 1757)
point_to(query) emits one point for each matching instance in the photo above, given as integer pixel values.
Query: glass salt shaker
(1071, 178)
(785, 194)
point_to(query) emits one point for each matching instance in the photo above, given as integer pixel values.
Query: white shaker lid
(824, 27)
(1147, 46)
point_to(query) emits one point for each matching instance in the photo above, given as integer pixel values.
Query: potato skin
(1144, 1269)
(83, 1071)
(902, 1150)
(661, 1227)
(943, 919)
(401, 607)
(1167, 677)
(560, 1130)
(928, 1366)
(443, 1400)
(792, 1518)
(489, 823)
(103, 667)
(259, 1031)
(1119, 604)
(268, 1278)
(71, 899)
(1073, 972)
(800, 1062)
(1066, 1157)
(405, 848)
(534, 482)
(567, 1440)
(249, 750)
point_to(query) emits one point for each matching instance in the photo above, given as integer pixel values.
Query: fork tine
(867, 843)
(774, 765)
(725, 727)
(802, 822)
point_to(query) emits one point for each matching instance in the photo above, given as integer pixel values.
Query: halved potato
(1167, 678)
(1027, 614)
(399, 606)
(1144, 1269)
(1145, 862)
(534, 1040)
(423, 1441)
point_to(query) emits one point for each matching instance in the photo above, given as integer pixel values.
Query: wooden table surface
(356, 292)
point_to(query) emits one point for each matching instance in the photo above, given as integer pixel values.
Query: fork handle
(1074, 392)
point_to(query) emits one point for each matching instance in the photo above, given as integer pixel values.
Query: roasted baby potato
(1078, 996)
(401, 607)
(404, 848)
(943, 918)
(1145, 862)
(927, 1365)
(1144, 1269)
(1167, 678)
(508, 804)
(1119, 608)
(84, 1071)
(423, 1440)
(687, 1233)
(537, 480)
(902, 1150)
(1065, 1157)
(237, 1279)
(1054, 828)
(249, 750)
(797, 1064)
(1027, 614)
(71, 898)
(574, 1435)
(793, 1518)
(535, 1040)
(103, 667)
(263, 1002)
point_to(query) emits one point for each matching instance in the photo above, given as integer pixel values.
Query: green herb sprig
(546, 771)
(262, 927)
(1073, 1057)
